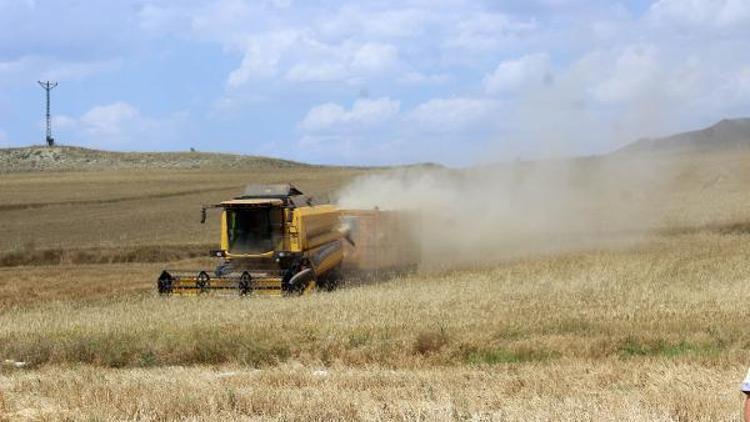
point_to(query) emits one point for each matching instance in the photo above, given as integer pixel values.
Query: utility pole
(47, 86)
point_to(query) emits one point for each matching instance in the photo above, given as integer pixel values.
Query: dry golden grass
(41, 285)
(654, 332)
(647, 330)
(678, 297)
(608, 390)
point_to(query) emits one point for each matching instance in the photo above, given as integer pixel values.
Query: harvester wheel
(164, 284)
(245, 281)
(203, 281)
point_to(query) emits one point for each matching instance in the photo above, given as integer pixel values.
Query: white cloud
(262, 56)
(451, 114)
(113, 120)
(301, 57)
(120, 125)
(389, 23)
(636, 71)
(716, 13)
(356, 44)
(31, 67)
(310, 60)
(363, 114)
(524, 72)
(351, 149)
(488, 31)
(418, 78)
(721, 88)
(318, 71)
(374, 57)
(377, 131)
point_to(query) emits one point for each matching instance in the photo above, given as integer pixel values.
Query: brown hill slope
(726, 134)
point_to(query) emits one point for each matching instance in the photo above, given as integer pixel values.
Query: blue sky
(381, 82)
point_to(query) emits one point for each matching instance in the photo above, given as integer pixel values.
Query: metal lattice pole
(47, 86)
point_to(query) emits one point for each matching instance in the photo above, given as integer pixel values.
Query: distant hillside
(38, 158)
(727, 134)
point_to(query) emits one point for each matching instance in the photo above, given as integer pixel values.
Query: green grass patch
(359, 339)
(499, 356)
(121, 349)
(632, 347)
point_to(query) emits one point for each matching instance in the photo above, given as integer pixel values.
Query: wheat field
(651, 329)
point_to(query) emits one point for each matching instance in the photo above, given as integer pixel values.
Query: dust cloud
(482, 215)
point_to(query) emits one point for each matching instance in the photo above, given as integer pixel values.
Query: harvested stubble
(569, 389)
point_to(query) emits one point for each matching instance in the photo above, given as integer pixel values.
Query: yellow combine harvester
(274, 241)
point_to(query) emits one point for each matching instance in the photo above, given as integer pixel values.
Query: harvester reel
(246, 281)
(203, 281)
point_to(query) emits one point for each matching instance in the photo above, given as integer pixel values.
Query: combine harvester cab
(274, 241)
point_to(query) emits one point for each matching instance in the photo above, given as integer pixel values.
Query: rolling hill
(726, 134)
(40, 158)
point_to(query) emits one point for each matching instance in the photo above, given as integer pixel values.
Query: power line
(47, 86)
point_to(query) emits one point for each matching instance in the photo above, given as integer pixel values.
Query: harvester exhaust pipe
(346, 232)
(300, 276)
(203, 212)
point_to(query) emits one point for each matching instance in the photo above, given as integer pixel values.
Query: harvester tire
(203, 282)
(164, 284)
(245, 282)
(332, 280)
